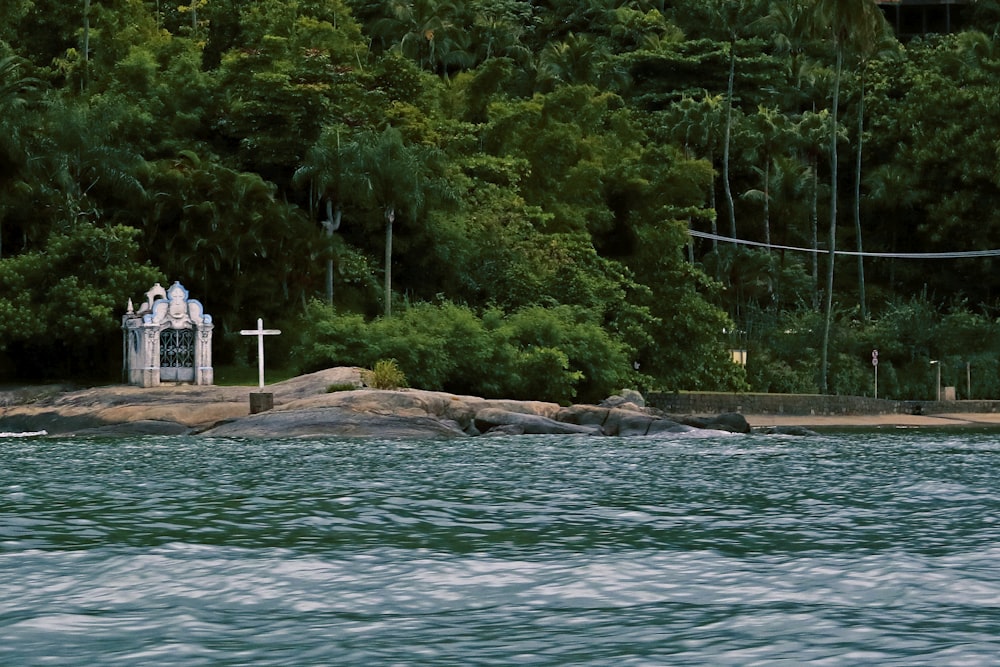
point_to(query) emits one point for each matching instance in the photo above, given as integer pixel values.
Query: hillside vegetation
(500, 194)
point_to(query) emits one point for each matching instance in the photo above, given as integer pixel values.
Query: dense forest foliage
(509, 197)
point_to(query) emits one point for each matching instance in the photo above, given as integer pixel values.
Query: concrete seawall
(706, 403)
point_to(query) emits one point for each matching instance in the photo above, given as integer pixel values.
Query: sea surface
(851, 548)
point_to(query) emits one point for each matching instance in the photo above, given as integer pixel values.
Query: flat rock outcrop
(303, 407)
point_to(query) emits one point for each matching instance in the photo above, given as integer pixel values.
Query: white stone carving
(168, 339)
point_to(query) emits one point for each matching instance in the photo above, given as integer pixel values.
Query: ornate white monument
(169, 339)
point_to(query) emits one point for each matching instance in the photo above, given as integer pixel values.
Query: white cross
(260, 332)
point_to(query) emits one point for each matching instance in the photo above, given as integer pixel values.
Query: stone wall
(710, 403)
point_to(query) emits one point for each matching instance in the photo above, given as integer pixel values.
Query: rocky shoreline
(303, 407)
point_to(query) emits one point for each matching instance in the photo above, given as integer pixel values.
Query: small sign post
(259, 402)
(875, 366)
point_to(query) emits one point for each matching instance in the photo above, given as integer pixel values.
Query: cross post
(260, 332)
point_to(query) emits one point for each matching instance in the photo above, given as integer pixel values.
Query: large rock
(731, 422)
(626, 422)
(305, 407)
(334, 422)
(490, 418)
(625, 396)
(584, 415)
(668, 427)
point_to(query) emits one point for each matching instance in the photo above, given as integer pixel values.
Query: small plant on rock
(384, 375)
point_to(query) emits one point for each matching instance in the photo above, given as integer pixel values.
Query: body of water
(874, 548)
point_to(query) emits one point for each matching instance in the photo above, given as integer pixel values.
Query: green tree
(297, 73)
(395, 180)
(12, 12)
(59, 313)
(696, 125)
(17, 92)
(569, 138)
(219, 230)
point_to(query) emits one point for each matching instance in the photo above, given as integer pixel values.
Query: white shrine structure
(168, 339)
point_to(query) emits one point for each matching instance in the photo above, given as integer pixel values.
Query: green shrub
(545, 372)
(385, 375)
(556, 354)
(590, 365)
(769, 374)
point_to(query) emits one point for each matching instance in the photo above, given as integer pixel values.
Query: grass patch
(242, 376)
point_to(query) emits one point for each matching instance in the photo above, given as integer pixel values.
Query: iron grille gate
(177, 355)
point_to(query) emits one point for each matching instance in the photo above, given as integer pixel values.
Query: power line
(891, 255)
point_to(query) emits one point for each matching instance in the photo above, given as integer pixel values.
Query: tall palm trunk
(862, 301)
(814, 220)
(390, 217)
(86, 44)
(832, 242)
(767, 203)
(712, 204)
(330, 225)
(726, 140)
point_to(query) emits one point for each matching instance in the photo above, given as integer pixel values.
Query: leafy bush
(563, 344)
(556, 354)
(385, 375)
(769, 374)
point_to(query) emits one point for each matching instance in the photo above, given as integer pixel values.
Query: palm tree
(331, 170)
(736, 16)
(577, 60)
(846, 23)
(427, 31)
(696, 124)
(791, 184)
(394, 177)
(500, 26)
(813, 129)
(789, 24)
(869, 46)
(728, 131)
(892, 190)
(85, 159)
(85, 48)
(771, 129)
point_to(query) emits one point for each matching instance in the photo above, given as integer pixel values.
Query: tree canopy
(520, 167)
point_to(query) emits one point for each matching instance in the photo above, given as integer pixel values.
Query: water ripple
(840, 550)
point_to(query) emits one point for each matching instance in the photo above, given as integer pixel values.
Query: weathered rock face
(304, 408)
(731, 422)
(799, 431)
(335, 422)
(489, 418)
